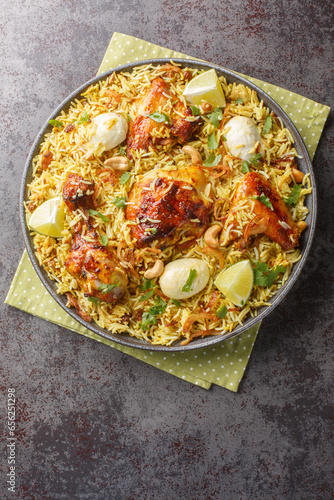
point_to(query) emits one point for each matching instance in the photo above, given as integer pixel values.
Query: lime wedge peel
(236, 282)
(205, 87)
(48, 218)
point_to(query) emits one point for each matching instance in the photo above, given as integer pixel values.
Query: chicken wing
(92, 264)
(144, 131)
(168, 205)
(271, 215)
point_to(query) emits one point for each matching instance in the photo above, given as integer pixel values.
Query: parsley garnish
(149, 318)
(124, 178)
(104, 288)
(147, 295)
(216, 116)
(56, 123)
(158, 117)
(245, 167)
(122, 151)
(265, 277)
(263, 199)
(84, 118)
(95, 300)
(146, 285)
(294, 195)
(212, 141)
(119, 202)
(102, 217)
(268, 122)
(239, 101)
(176, 303)
(192, 275)
(213, 160)
(221, 313)
(104, 239)
(195, 110)
(254, 159)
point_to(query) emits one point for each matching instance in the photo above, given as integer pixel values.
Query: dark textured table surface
(93, 423)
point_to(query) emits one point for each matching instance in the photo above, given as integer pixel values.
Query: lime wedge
(48, 218)
(236, 282)
(205, 87)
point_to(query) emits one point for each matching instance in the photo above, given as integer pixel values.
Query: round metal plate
(305, 242)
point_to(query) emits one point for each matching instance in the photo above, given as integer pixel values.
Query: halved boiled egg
(242, 137)
(108, 130)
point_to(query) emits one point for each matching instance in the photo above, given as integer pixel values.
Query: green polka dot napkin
(225, 363)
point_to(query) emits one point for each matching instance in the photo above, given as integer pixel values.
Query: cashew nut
(211, 234)
(297, 174)
(194, 154)
(118, 163)
(301, 225)
(155, 271)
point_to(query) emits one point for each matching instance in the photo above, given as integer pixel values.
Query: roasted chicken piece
(95, 268)
(274, 220)
(144, 131)
(92, 264)
(78, 193)
(168, 205)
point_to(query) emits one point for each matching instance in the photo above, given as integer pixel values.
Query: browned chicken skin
(92, 264)
(276, 223)
(78, 193)
(141, 130)
(168, 202)
(95, 268)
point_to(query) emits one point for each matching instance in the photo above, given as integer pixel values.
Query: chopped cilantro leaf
(176, 303)
(216, 116)
(213, 160)
(264, 199)
(212, 141)
(294, 195)
(265, 277)
(159, 307)
(239, 101)
(154, 230)
(122, 151)
(102, 217)
(104, 288)
(147, 295)
(192, 275)
(158, 117)
(268, 122)
(127, 117)
(56, 123)
(223, 138)
(195, 110)
(245, 167)
(84, 118)
(119, 202)
(150, 317)
(94, 300)
(104, 239)
(146, 285)
(221, 313)
(255, 159)
(124, 178)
